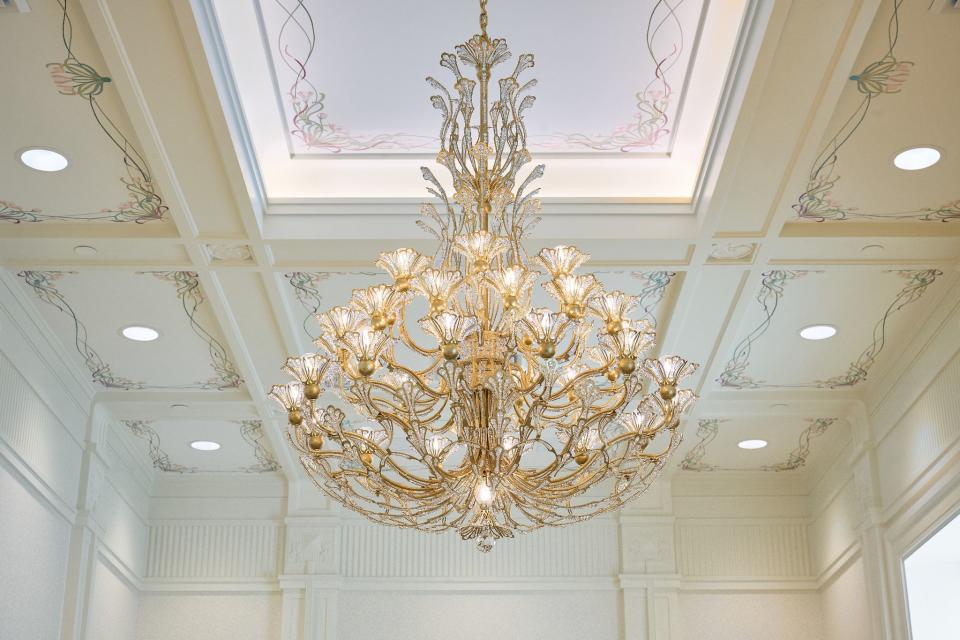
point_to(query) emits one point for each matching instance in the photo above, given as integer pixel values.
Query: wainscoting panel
(584, 550)
(743, 550)
(213, 550)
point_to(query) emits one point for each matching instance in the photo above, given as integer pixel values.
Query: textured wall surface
(209, 617)
(844, 602)
(33, 565)
(750, 616)
(113, 608)
(479, 616)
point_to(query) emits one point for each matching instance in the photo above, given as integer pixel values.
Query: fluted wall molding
(589, 549)
(754, 550)
(196, 550)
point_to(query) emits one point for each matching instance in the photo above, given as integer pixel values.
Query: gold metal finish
(505, 417)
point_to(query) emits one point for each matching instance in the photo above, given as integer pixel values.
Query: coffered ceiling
(238, 165)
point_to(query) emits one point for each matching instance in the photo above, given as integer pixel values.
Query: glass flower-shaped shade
(541, 325)
(480, 248)
(613, 309)
(365, 345)
(438, 287)
(573, 292)
(629, 342)
(289, 395)
(380, 303)
(645, 418)
(403, 265)
(340, 321)
(669, 370)
(561, 260)
(449, 327)
(514, 285)
(308, 368)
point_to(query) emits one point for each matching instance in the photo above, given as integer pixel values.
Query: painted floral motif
(252, 433)
(771, 291)
(306, 286)
(311, 125)
(191, 297)
(43, 284)
(161, 461)
(798, 457)
(885, 76)
(250, 430)
(650, 123)
(917, 283)
(225, 376)
(708, 429)
(706, 433)
(75, 78)
(652, 292)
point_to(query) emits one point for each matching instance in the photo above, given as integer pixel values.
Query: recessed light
(917, 158)
(178, 408)
(140, 334)
(205, 445)
(85, 250)
(872, 249)
(752, 444)
(43, 159)
(818, 332)
(779, 406)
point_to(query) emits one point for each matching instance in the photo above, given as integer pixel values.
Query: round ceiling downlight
(917, 158)
(139, 333)
(205, 445)
(752, 444)
(818, 332)
(46, 160)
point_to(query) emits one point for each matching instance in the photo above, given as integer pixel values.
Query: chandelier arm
(409, 341)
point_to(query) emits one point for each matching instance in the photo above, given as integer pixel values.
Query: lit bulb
(484, 494)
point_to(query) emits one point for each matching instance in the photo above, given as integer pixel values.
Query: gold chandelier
(487, 415)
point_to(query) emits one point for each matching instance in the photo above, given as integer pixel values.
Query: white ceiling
(255, 232)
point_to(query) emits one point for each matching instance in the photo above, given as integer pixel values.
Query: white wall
(439, 615)
(751, 616)
(34, 543)
(209, 617)
(72, 509)
(113, 607)
(844, 603)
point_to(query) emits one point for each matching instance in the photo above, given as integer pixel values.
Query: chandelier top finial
(483, 18)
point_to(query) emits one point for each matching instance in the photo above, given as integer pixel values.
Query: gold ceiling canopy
(499, 417)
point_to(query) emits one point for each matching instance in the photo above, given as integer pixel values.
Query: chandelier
(487, 415)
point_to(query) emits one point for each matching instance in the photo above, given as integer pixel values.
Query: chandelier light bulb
(545, 415)
(484, 494)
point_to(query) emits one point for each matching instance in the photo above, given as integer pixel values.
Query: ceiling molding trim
(219, 65)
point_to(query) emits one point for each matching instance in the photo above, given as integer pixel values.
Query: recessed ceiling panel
(901, 94)
(66, 100)
(88, 310)
(793, 443)
(166, 444)
(634, 80)
(873, 311)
